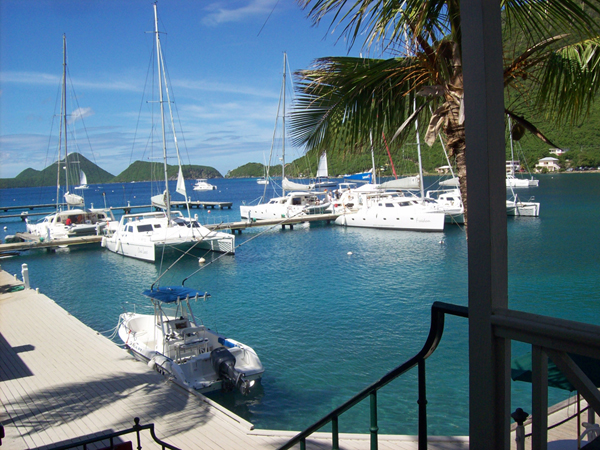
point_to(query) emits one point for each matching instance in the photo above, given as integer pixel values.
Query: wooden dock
(126, 209)
(284, 222)
(61, 380)
(31, 242)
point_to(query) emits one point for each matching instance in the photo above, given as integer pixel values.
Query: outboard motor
(223, 363)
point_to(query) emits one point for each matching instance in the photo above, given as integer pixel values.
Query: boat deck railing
(438, 313)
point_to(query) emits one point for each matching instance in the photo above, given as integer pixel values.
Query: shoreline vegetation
(302, 167)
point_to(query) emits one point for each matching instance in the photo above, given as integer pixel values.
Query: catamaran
(75, 220)
(293, 204)
(146, 235)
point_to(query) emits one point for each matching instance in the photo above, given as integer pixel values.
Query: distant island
(138, 171)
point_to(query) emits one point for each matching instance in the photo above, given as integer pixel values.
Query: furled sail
(291, 186)
(74, 199)
(402, 183)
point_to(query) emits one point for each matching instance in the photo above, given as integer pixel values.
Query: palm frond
(570, 80)
(340, 100)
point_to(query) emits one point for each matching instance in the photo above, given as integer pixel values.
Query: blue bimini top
(170, 294)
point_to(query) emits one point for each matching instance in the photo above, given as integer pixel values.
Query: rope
(239, 245)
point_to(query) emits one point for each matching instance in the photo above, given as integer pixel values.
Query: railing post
(374, 428)
(520, 417)
(335, 435)
(422, 401)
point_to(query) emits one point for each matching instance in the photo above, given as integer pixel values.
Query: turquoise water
(327, 323)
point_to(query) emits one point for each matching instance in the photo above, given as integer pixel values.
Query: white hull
(523, 209)
(203, 185)
(145, 236)
(176, 347)
(514, 182)
(70, 223)
(393, 220)
(293, 204)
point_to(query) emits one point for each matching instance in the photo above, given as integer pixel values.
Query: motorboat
(203, 185)
(174, 344)
(293, 204)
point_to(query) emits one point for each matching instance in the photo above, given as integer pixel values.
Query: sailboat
(76, 220)
(511, 180)
(374, 206)
(323, 180)
(296, 203)
(82, 181)
(146, 235)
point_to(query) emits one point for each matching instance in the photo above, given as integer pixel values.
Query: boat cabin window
(157, 225)
(144, 228)
(389, 205)
(130, 229)
(296, 201)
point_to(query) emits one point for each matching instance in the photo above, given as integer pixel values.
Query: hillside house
(549, 163)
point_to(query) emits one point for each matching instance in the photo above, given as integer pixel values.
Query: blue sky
(224, 59)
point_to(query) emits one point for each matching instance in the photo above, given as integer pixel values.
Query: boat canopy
(170, 294)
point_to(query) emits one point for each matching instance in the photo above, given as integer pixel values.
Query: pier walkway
(60, 380)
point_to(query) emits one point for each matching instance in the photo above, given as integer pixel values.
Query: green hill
(146, 171)
(47, 177)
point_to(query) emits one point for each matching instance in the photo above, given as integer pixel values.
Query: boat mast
(162, 113)
(419, 153)
(64, 119)
(283, 122)
(512, 153)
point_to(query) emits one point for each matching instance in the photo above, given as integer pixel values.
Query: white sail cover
(453, 182)
(291, 186)
(74, 199)
(322, 171)
(181, 184)
(402, 183)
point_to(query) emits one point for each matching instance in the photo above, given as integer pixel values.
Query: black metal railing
(111, 437)
(438, 312)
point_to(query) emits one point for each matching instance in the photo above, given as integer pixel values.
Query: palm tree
(553, 69)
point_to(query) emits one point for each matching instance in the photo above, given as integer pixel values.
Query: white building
(557, 151)
(549, 163)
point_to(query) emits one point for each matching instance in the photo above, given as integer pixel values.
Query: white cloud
(222, 12)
